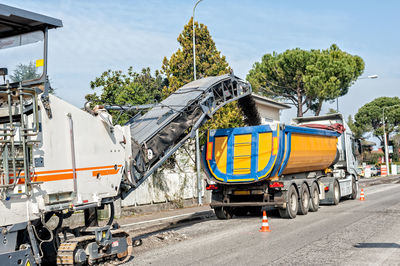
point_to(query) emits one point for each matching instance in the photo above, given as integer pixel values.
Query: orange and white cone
(362, 195)
(265, 226)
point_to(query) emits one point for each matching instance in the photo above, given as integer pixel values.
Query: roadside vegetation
(369, 121)
(305, 79)
(132, 88)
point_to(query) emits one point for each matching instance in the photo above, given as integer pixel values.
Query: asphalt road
(352, 233)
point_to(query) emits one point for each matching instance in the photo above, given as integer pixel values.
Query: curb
(168, 221)
(378, 180)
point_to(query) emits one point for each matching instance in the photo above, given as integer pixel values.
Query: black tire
(336, 193)
(353, 195)
(314, 198)
(304, 200)
(292, 204)
(223, 213)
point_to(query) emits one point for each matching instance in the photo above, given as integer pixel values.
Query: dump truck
(291, 167)
(57, 159)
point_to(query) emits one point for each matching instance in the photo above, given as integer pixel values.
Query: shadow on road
(194, 219)
(377, 245)
(271, 213)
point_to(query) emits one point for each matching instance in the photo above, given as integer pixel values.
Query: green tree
(357, 131)
(131, 88)
(24, 72)
(330, 75)
(396, 147)
(306, 79)
(209, 62)
(369, 117)
(27, 72)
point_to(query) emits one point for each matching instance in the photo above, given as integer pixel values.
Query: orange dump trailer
(251, 154)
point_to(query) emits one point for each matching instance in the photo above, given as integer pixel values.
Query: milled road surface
(352, 233)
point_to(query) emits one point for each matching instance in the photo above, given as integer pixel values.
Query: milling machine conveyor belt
(163, 129)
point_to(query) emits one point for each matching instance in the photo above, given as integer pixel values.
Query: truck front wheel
(336, 193)
(314, 202)
(353, 188)
(223, 213)
(291, 204)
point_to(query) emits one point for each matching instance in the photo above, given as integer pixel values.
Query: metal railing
(19, 109)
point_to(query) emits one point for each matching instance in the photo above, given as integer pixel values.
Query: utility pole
(199, 183)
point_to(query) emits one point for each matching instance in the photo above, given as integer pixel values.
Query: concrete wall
(174, 182)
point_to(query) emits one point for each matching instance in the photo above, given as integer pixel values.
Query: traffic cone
(265, 226)
(362, 194)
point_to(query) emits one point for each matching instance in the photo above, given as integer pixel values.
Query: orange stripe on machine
(56, 177)
(105, 172)
(65, 174)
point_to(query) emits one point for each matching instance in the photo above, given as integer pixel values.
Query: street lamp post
(367, 77)
(194, 41)
(199, 186)
(385, 141)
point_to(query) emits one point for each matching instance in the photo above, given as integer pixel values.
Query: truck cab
(345, 167)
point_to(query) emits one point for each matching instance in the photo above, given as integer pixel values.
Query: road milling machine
(56, 159)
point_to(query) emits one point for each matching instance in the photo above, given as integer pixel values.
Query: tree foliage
(370, 116)
(358, 132)
(396, 146)
(209, 62)
(27, 72)
(131, 88)
(306, 79)
(24, 72)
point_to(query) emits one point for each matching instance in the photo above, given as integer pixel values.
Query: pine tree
(209, 62)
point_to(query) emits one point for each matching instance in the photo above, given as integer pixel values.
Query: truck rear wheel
(223, 213)
(336, 193)
(314, 199)
(304, 200)
(291, 204)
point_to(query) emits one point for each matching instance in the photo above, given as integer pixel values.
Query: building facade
(269, 109)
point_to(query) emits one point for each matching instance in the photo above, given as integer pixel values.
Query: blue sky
(100, 35)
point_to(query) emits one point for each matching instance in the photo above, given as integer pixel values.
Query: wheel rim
(293, 202)
(316, 197)
(336, 192)
(305, 200)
